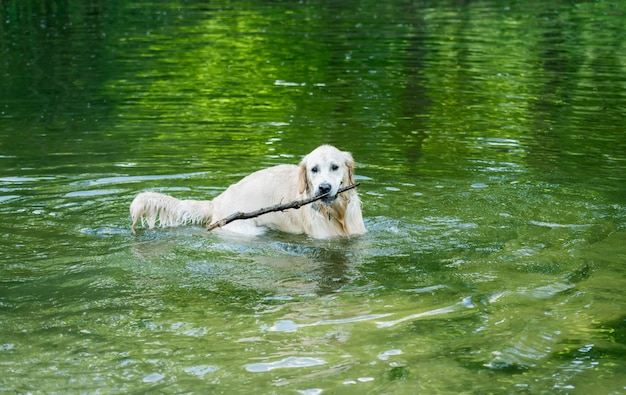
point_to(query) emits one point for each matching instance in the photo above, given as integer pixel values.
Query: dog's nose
(324, 188)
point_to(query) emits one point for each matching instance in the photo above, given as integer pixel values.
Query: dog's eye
(314, 169)
(334, 167)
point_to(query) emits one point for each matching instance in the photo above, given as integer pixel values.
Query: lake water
(491, 150)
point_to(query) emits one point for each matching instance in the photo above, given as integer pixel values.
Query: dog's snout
(324, 188)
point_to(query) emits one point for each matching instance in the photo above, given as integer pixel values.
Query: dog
(323, 171)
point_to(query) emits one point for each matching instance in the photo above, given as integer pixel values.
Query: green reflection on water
(490, 146)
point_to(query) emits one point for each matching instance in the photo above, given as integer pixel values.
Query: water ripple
(290, 326)
(290, 362)
(443, 310)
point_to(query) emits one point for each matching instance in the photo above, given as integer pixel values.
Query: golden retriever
(325, 169)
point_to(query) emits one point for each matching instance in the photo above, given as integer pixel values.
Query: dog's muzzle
(323, 189)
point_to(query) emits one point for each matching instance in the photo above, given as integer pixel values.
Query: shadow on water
(277, 263)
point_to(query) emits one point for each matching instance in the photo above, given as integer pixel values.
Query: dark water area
(491, 150)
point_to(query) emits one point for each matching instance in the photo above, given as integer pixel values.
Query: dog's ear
(303, 182)
(350, 166)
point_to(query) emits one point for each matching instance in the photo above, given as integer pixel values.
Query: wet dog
(323, 171)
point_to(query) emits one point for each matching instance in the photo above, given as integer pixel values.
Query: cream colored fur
(324, 168)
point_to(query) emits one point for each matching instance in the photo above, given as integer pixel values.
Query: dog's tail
(150, 207)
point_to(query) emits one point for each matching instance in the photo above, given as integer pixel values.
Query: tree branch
(277, 207)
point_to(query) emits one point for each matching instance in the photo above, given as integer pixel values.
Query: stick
(277, 207)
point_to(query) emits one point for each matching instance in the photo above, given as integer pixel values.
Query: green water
(491, 150)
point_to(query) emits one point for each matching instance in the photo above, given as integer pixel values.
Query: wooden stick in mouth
(296, 204)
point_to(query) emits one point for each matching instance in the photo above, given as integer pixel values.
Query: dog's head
(325, 170)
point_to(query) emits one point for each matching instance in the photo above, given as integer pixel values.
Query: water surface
(491, 152)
